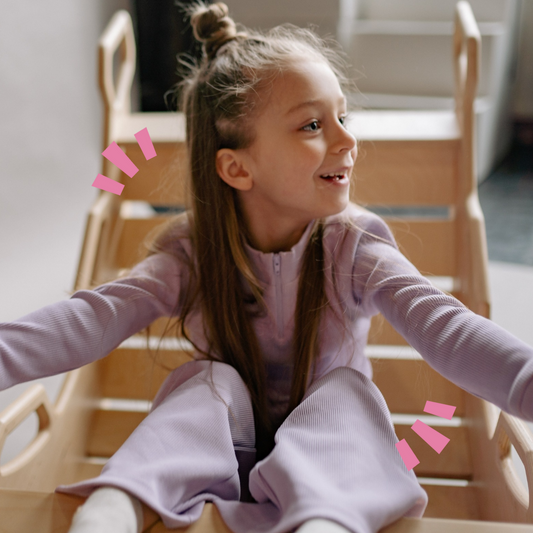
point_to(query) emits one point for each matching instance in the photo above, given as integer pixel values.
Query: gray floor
(507, 201)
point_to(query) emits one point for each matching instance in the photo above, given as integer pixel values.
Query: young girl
(275, 275)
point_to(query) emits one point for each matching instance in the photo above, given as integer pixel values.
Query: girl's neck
(273, 238)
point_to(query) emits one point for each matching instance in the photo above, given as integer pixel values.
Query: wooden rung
(48, 512)
(428, 244)
(32, 511)
(406, 173)
(109, 431)
(164, 326)
(381, 332)
(453, 462)
(87, 470)
(459, 503)
(404, 125)
(366, 125)
(407, 384)
(133, 231)
(163, 127)
(160, 180)
(137, 375)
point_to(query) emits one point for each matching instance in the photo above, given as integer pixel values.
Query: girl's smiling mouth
(340, 176)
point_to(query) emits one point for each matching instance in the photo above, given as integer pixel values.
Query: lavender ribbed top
(365, 274)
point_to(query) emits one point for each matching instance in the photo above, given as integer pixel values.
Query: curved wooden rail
(34, 400)
(118, 34)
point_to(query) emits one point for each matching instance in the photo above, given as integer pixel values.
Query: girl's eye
(342, 120)
(312, 126)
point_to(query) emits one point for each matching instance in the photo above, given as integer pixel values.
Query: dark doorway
(162, 32)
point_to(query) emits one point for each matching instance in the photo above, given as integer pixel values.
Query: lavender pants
(334, 457)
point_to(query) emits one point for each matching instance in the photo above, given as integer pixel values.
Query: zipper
(279, 300)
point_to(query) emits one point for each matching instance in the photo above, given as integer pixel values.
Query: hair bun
(213, 27)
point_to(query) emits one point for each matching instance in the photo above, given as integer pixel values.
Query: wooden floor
(39, 512)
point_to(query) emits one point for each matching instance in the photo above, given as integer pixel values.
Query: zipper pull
(277, 264)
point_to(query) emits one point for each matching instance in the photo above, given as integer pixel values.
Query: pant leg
(335, 458)
(186, 451)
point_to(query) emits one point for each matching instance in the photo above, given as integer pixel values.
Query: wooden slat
(162, 326)
(109, 431)
(46, 512)
(24, 511)
(404, 125)
(438, 525)
(135, 374)
(381, 332)
(133, 231)
(453, 462)
(163, 126)
(429, 244)
(407, 384)
(160, 180)
(88, 470)
(406, 173)
(458, 503)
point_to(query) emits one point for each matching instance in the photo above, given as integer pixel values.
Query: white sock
(108, 510)
(321, 525)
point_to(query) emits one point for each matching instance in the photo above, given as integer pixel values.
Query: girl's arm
(472, 351)
(72, 333)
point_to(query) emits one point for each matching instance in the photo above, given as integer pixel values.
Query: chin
(336, 208)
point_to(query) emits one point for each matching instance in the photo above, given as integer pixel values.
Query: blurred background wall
(522, 107)
(50, 145)
(50, 137)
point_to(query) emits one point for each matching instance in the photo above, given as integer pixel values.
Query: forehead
(303, 82)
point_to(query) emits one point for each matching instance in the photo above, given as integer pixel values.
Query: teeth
(336, 177)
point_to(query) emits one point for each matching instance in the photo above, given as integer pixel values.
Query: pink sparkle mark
(435, 439)
(115, 154)
(107, 184)
(145, 142)
(440, 409)
(408, 456)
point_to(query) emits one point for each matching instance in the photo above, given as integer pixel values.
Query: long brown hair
(219, 97)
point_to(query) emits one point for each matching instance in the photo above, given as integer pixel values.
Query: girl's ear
(232, 169)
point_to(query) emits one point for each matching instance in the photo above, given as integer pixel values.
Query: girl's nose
(344, 140)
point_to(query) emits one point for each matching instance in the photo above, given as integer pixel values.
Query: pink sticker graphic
(431, 436)
(440, 409)
(107, 184)
(116, 155)
(408, 456)
(435, 439)
(144, 141)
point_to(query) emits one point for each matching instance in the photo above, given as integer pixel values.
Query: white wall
(50, 137)
(523, 95)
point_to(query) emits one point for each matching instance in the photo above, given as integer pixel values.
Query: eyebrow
(308, 103)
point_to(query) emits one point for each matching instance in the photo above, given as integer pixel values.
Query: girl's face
(299, 164)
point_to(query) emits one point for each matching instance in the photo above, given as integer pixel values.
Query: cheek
(309, 156)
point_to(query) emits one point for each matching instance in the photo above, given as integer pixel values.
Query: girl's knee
(226, 374)
(202, 372)
(344, 377)
(345, 382)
